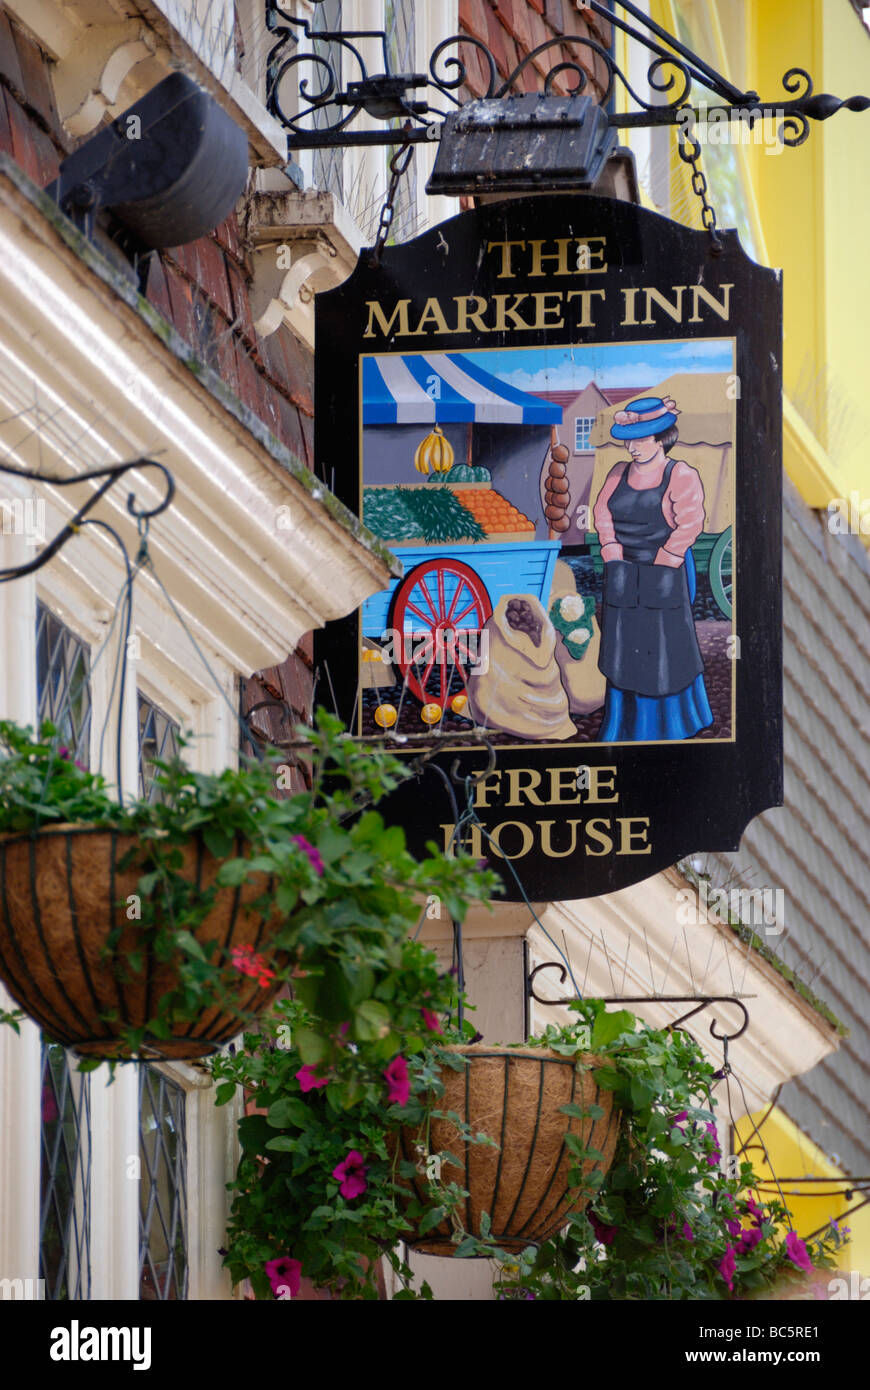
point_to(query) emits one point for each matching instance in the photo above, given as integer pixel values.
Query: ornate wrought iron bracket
(700, 1002)
(110, 475)
(323, 117)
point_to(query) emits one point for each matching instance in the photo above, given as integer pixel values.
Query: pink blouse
(682, 507)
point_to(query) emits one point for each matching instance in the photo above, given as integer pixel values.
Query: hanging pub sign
(563, 414)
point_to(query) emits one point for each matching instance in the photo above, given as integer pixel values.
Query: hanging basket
(513, 1096)
(63, 891)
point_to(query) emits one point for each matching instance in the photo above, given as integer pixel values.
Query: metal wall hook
(472, 779)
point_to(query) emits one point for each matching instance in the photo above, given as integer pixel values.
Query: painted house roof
(439, 387)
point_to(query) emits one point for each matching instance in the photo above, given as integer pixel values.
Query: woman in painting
(647, 515)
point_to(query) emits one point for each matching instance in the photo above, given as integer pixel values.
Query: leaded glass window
(163, 1265)
(64, 1218)
(158, 739)
(63, 667)
(63, 694)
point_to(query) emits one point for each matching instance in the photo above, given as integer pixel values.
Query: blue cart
(431, 619)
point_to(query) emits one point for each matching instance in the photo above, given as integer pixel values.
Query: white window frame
(583, 425)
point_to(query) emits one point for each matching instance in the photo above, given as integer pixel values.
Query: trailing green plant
(319, 1189)
(343, 885)
(670, 1219)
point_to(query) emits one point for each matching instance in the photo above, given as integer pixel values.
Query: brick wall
(512, 29)
(201, 288)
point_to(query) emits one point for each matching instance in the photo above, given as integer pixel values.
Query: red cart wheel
(436, 610)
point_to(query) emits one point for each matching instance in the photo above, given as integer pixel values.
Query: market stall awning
(425, 388)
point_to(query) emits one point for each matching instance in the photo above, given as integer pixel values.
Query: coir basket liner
(514, 1096)
(60, 890)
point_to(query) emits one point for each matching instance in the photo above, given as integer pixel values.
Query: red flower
(727, 1265)
(397, 1080)
(309, 1080)
(352, 1175)
(284, 1275)
(431, 1021)
(247, 961)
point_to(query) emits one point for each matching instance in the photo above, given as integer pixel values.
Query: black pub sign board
(563, 414)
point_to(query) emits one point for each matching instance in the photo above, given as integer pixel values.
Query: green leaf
(225, 1091)
(219, 842)
(311, 1046)
(431, 1220)
(283, 1143)
(288, 1113)
(233, 872)
(609, 1026)
(190, 944)
(371, 1020)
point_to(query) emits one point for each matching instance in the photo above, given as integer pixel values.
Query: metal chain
(398, 165)
(690, 152)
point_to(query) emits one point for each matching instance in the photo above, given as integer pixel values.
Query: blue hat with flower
(650, 415)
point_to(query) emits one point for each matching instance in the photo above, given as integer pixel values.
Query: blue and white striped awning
(425, 388)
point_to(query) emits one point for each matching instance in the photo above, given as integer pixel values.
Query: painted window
(582, 429)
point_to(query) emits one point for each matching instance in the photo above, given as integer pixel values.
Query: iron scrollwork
(324, 109)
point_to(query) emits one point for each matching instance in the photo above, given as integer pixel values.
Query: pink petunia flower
(352, 1175)
(797, 1252)
(749, 1239)
(284, 1273)
(309, 1080)
(431, 1021)
(675, 1122)
(397, 1080)
(308, 849)
(727, 1265)
(733, 1228)
(688, 1233)
(713, 1158)
(754, 1210)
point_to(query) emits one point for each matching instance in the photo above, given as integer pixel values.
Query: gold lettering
(491, 784)
(629, 319)
(472, 843)
(627, 834)
(601, 837)
(585, 297)
(723, 309)
(560, 255)
(432, 314)
(465, 315)
(654, 295)
(519, 789)
(506, 272)
(527, 837)
(542, 309)
(503, 312)
(546, 842)
(557, 789)
(597, 784)
(597, 255)
(376, 312)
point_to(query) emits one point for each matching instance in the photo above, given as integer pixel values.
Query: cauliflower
(571, 608)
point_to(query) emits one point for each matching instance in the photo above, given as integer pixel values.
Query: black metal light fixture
(673, 67)
(168, 169)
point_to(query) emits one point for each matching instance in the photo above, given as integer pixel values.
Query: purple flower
(713, 1158)
(687, 1231)
(797, 1252)
(397, 1080)
(749, 1239)
(754, 1210)
(431, 1021)
(312, 854)
(733, 1228)
(284, 1273)
(675, 1122)
(606, 1234)
(352, 1175)
(726, 1267)
(309, 1080)
(63, 753)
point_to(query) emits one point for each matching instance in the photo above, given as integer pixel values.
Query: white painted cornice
(255, 551)
(633, 943)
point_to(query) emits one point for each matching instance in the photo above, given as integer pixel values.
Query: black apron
(648, 641)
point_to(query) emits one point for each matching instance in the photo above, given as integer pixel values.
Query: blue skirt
(632, 718)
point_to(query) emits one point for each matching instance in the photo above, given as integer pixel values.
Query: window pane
(63, 691)
(162, 1188)
(64, 1218)
(158, 739)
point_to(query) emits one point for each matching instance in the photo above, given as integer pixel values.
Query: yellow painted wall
(793, 1155)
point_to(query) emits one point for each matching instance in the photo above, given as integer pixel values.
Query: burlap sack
(584, 684)
(519, 690)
